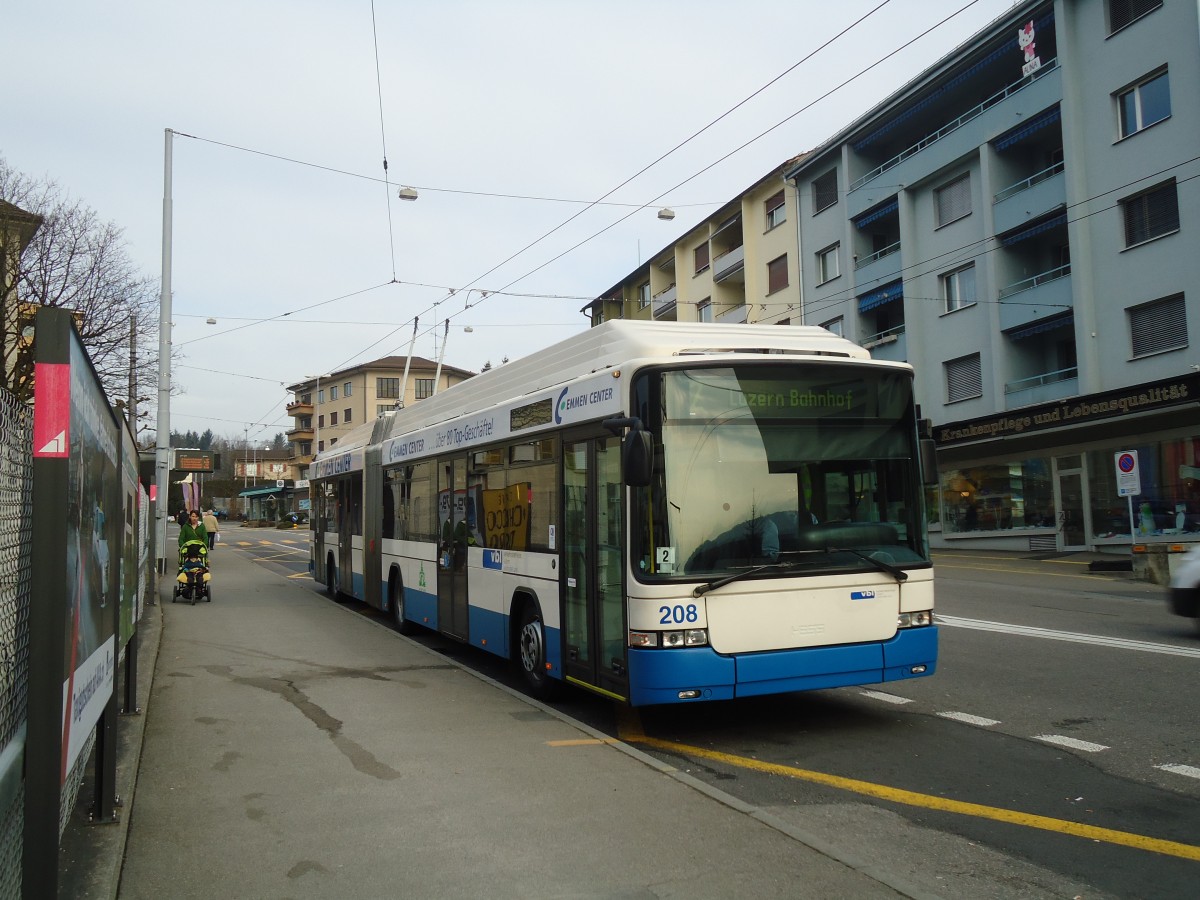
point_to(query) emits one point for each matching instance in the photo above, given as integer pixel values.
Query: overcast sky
(280, 209)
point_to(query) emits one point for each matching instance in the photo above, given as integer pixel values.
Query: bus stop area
(287, 746)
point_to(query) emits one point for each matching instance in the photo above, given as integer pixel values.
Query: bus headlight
(691, 637)
(915, 619)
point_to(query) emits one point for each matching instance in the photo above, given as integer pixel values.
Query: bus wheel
(396, 603)
(531, 645)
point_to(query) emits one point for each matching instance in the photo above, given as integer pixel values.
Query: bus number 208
(678, 615)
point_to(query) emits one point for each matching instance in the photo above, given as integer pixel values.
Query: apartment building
(1019, 222)
(328, 407)
(738, 265)
(1016, 222)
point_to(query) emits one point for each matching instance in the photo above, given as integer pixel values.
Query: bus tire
(396, 605)
(531, 652)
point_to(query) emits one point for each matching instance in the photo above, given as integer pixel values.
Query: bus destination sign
(194, 461)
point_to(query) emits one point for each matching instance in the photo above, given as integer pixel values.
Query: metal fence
(16, 545)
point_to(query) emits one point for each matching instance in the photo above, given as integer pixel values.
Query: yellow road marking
(300, 575)
(581, 742)
(634, 735)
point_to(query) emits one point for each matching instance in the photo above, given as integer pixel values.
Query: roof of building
(906, 92)
(22, 221)
(393, 363)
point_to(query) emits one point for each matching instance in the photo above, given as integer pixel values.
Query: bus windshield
(801, 467)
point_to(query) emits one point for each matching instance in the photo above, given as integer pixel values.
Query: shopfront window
(998, 497)
(1169, 503)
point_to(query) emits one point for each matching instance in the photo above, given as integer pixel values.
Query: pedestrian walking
(212, 527)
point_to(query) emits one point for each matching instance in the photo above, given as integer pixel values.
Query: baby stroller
(192, 582)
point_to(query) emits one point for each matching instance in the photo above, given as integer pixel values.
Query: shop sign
(1075, 411)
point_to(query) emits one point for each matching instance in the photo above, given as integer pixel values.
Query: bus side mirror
(929, 469)
(637, 450)
(637, 457)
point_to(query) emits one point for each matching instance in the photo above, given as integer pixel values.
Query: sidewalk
(290, 747)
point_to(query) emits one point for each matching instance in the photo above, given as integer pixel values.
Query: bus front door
(594, 603)
(452, 549)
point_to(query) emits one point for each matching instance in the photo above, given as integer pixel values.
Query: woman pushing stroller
(192, 582)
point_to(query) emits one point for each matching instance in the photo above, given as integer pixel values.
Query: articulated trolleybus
(657, 512)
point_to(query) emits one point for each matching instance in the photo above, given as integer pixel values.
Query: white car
(1185, 586)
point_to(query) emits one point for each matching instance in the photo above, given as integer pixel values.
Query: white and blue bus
(657, 512)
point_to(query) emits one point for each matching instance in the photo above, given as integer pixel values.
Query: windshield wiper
(703, 589)
(895, 571)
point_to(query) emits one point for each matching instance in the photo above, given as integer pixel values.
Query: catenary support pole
(163, 441)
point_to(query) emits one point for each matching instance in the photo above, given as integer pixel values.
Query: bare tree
(78, 262)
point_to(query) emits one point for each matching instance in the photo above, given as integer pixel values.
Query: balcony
(300, 434)
(1043, 295)
(891, 344)
(881, 266)
(730, 264)
(964, 134)
(1026, 200)
(1042, 388)
(735, 316)
(663, 303)
(300, 408)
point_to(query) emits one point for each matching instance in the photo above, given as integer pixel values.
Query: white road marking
(1069, 636)
(969, 719)
(886, 698)
(1073, 743)
(1189, 771)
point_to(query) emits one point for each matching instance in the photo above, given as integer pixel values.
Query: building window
(776, 211)
(643, 295)
(704, 310)
(1125, 12)
(1151, 214)
(424, 388)
(958, 288)
(320, 396)
(333, 393)
(1158, 326)
(320, 446)
(382, 408)
(332, 419)
(953, 201)
(346, 416)
(700, 254)
(320, 422)
(964, 378)
(387, 388)
(777, 274)
(1144, 104)
(824, 191)
(827, 264)
(833, 326)
(346, 388)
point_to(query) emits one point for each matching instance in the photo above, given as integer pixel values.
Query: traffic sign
(1129, 479)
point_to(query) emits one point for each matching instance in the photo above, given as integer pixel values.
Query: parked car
(1185, 587)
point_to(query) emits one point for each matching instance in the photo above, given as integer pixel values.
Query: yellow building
(739, 265)
(328, 407)
(17, 228)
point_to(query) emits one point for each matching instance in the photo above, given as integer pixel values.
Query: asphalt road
(1054, 753)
